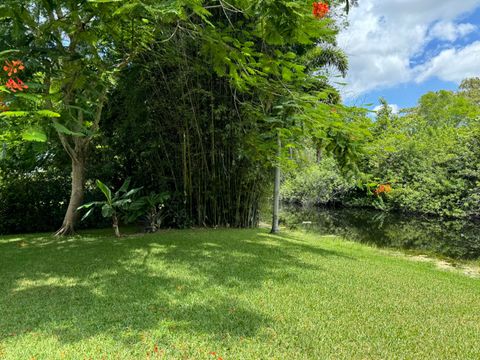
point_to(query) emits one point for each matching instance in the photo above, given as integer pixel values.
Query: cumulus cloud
(387, 41)
(449, 31)
(452, 64)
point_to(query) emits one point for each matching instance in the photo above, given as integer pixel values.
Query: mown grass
(240, 294)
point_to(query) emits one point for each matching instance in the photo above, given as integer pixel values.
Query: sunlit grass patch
(241, 294)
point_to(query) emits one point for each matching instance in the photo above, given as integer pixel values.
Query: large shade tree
(79, 47)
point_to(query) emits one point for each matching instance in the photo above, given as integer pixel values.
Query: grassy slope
(242, 294)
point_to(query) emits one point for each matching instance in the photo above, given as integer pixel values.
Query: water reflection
(458, 239)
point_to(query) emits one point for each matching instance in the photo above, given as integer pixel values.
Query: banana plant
(114, 204)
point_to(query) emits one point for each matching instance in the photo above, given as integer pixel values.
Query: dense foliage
(428, 155)
(34, 188)
(189, 98)
(317, 184)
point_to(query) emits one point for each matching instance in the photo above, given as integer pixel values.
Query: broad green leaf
(132, 192)
(107, 210)
(87, 214)
(62, 129)
(89, 205)
(121, 203)
(105, 190)
(124, 187)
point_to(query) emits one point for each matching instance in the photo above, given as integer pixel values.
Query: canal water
(456, 239)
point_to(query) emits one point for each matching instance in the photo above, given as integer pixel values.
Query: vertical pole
(276, 188)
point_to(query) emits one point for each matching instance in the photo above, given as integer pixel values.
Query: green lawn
(242, 294)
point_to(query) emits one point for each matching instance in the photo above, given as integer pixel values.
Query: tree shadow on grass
(186, 281)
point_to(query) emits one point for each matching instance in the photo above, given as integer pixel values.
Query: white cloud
(386, 40)
(452, 64)
(449, 31)
(394, 107)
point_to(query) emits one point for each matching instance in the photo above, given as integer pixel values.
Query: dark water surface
(457, 239)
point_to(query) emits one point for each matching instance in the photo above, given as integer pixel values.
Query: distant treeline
(429, 156)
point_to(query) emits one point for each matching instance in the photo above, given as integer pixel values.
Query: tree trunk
(76, 196)
(115, 225)
(319, 155)
(77, 148)
(276, 189)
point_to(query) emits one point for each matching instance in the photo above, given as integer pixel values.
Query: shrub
(317, 184)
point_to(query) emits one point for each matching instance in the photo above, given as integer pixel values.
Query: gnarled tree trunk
(77, 148)
(78, 154)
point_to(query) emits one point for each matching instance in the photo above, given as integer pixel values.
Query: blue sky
(401, 49)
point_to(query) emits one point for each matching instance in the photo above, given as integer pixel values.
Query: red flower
(12, 67)
(16, 85)
(382, 188)
(320, 9)
(11, 84)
